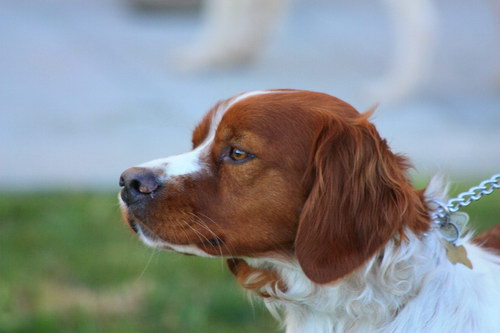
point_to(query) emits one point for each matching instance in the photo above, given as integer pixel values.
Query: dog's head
(290, 174)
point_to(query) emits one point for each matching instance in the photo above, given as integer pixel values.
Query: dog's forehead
(208, 126)
(269, 114)
(232, 112)
(276, 105)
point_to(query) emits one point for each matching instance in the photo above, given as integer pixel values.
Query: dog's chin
(152, 240)
(147, 236)
(144, 234)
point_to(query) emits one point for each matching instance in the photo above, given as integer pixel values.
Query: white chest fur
(408, 288)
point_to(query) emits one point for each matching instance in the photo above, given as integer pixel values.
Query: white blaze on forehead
(179, 165)
(224, 107)
(249, 94)
(192, 162)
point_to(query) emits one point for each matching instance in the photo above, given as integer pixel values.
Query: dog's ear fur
(359, 197)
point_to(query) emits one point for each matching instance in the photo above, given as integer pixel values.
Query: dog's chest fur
(407, 288)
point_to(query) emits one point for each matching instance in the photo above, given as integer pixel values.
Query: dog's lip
(140, 229)
(143, 231)
(134, 226)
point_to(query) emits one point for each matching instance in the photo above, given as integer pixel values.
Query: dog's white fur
(412, 287)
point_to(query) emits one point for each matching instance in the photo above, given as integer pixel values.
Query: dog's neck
(409, 286)
(381, 296)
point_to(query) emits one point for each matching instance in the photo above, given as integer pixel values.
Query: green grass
(68, 264)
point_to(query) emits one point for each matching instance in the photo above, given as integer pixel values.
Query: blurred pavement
(87, 87)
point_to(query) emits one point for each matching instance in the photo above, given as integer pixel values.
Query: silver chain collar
(474, 193)
(445, 215)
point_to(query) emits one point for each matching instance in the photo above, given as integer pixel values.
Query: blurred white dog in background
(235, 32)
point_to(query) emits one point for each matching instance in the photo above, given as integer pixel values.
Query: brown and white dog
(316, 215)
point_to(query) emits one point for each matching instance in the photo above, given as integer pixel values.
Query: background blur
(90, 87)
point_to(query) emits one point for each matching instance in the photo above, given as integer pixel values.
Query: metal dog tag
(457, 254)
(460, 219)
(455, 226)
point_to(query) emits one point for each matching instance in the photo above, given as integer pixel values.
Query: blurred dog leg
(234, 33)
(414, 25)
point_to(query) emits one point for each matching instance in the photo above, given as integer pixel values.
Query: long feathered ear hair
(359, 197)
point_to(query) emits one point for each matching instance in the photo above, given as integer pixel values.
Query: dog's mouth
(152, 240)
(133, 225)
(144, 233)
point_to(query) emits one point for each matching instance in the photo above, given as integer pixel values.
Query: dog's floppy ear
(359, 197)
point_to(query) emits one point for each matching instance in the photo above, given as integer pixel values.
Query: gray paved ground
(87, 88)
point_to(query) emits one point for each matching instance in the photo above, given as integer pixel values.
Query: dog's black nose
(138, 183)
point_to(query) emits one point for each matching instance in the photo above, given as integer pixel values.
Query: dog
(235, 32)
(316, 215)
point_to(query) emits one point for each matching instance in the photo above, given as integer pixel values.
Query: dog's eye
(238, 155)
